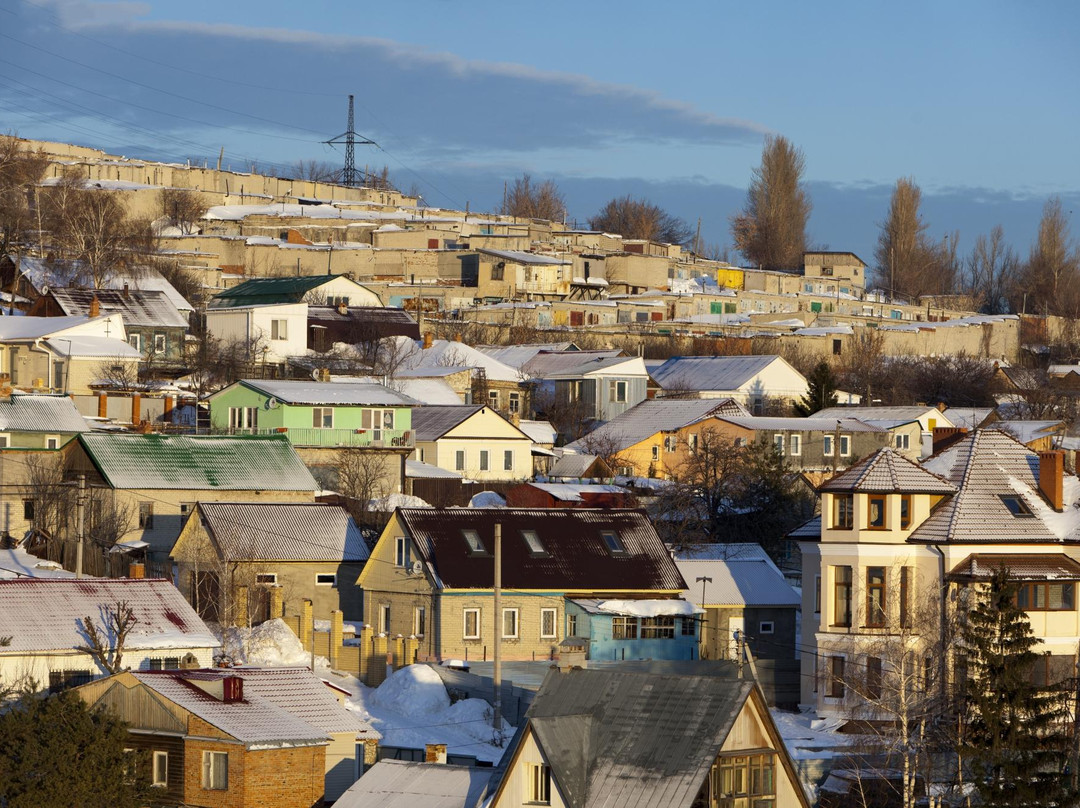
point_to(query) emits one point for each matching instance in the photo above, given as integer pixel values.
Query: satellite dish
(272, 403)
(45, 289)
(417, 568)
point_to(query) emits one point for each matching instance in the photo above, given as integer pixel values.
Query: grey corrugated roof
(420, 471)
(901, 413)
(544, 363)
(332, 393)
(737, 582)
(408, 784)
(253, 721)
(102, 347)
(190, 462)
(431, 423)
(16, 328)
(886, 471)
(653, 416)
(267, 531)
(40, 413)
(803, 424)
(517, 355)
(42, 614)
(139, 307)
(572, 465)
(632, 366)
(710, 372)
(633, 740)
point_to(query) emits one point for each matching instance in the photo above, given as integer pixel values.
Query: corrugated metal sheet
(628, 366)
(710, 372)
(526, 257)
(813, 424)
(431, 423)
(290, 289)
(189, 462)
(253, 531)
(405, 784)
(737, 582)
(38, 413)
(885, 471)
(899, 414)
(360, 393)
(446, 354)
(421, 471)
(101, 347)
(516, 356)
(576, 556)
(545, 363)
(653, 416)
(139, 307)
(572, 466)
(42, 614)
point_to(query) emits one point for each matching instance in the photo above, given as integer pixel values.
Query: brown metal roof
(1022, 566)
(576, 556)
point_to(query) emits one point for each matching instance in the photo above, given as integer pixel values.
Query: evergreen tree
(56, 752)
(820, 392)
(1016, 736)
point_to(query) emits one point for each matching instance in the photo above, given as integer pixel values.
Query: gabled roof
(619, 365)
(539, 431)
(644, 740)
(887, 472)
(576, 466)
(263, 291)
(190, 462)
(721, 373)
(40, 413)
(516, 356)
(576, 556)
(653, 416)
(16, 328)
(431, 423)
(83, 345)
(544, 363)
(811, 424)
(268, 531)
(139, 307)
(901, 414)
(447, 354)
(421, 390)
(410, 784)
(358, 393)
(736, 581)
(43, 614)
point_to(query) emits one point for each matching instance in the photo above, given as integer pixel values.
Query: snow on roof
(45, 614)
(1029, 431)
(340, 393)
(713, 372)
(902, 414)
(544, 363)
(517, 355)
(408, 784)
(26, 412)
(17, 563)
(888, 471)
(736, 582)
(811, 424)
(422, 391)
(539, 431)
(446, 353)
(519, 257)
(36, 327)
(638, 608)
(652, 416)
(418, 470)
(139, 307)
(630, 366)
(91, 347)
(271, 531)
(571, 492)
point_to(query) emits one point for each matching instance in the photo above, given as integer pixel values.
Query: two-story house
(602, 388)
(472, 440)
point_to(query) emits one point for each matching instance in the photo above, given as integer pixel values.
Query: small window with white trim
(471, 628)
(766, 627)
(160, 773)
(266, 578)
(325, 579)
(548, 621)
(510, 624)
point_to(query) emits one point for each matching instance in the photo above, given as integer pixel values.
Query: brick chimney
(435, 753)
(126, 295)
(1052, 478)
(95, 306)
(342, 309)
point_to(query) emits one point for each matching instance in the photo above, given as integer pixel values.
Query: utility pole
(703, 579)
(497, 592)
(739, 650)
(80, 524)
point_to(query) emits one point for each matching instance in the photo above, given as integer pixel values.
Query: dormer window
(1017, 506)
(532, 541)
(613, 542)
(472, 539)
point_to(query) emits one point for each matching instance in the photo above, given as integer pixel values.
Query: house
(32, 421)
(472, 440)
(652, 439)
(212, 742)
(601, 389)
(325, 290)
(543, 436)
(271, 332)
(352, 325)
(517, 356)
(154, 480)
(758, 383)
(846, 269)
(408, 784)
(154, 326)
(509, 274)
(899, 420)
(895, 538)
(615, 630)
(1038, 435)
(740, 589)
(302, 550)
(569, 495)
(572, 467)
(43, 617)
(423, 390)
(430, 575)
(491, 382)
(607, 737)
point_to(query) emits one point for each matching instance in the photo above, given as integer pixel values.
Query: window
(655, 452)
(515, 403)
(547, 622)
(876, 516)
(472, 539)
(375, 421)
(837, 347)
(510, 624)
(1016, 506)
(508, 460)
(875, 597)
(459, 460)
(493, 399)
(322, 417)
(164, 664)
(571, 625)
(215, 771)
(5, 441)
(903, 441)
(624, 628)
(689, 627)
(279, 329)
(325, 579)
(160, 773)
(1046, 597)
(845, 445)
(58, 375)
(827, 447)
(616, 390)
(671, 443)
(420, 621)
(135, 341)
(817, 594)
(471, 629)
(159, 343)
(842, 596)
(497, 271)
(532, 541)
(613, 542)
(745, 781)
(658, 628)
(843, 511)
(146, 515)
(243, 417)
(905, 511)
(905, 587)
(61, 680)
(384, 618)
(537, 784)
(836, 677)
(28, 510)
(401, 551)
(873, 677)
(778, 442)
(766, 627)
(484, 464)
(266, 578)
(795, 442)
(691, 442)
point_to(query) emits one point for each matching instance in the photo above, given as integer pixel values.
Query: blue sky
(976, 101)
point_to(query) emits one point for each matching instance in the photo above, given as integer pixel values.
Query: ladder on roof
(480, 386)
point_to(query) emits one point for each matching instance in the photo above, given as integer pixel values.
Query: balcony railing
(374, 438)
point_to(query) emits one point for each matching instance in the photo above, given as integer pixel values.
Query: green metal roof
(191, 462)
(262, 291)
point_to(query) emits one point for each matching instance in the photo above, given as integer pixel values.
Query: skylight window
(613, 542)
(533, 542)
(472, 538)
(1016, 505)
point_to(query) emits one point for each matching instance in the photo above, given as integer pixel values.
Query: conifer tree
(820, 391)
(1016, 736)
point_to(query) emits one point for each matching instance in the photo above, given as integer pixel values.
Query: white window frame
(485, 460)
(508, 460)
(331, 575)
(243, 417)
(516, 615)
(493, 399)
(618, 391)
(52, 441)
(159, 343)
(537, 784)
(778, 442)
(475, 613)
(514, 403)
(903, 441)
(419, 621)
(402, 552)
(135, 341)
(211, 763)
(319, 417)
(827, 445)
(795, 445)
(163, 781)
(279, 329)
(845, 445)
(384, 618)
(552, 615)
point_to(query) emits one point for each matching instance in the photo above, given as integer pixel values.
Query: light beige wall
(514, 791)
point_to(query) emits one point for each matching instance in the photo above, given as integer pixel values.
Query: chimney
(1052, 478)
(232, 689)
(435, 753)
(427, 340)
(125, 291)
(342, 309)
(95, 306)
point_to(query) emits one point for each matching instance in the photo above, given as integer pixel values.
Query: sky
(977, 101)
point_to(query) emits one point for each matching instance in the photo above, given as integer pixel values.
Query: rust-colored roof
(575, 556)
(1022, 566)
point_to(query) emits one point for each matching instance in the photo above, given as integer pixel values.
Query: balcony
(355, 438)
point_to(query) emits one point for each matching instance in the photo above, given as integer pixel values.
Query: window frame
(873, 678)
(508, 459)
(767, 627)
(1045, 588)
(279, 329)
(385, 616)
(843, 512)
(533, 543)
(331, 575)
(515, 614)
(537, 784)
(156, 782)
(843, 586)
(159, 343)
(419, 621)
(547, 613)
(613, 542)
(459, 460)
(209, 770)
(402, 552)
(882, 502)
(877, 604)
(795, 445)
(659, 627)
(779, 442)
(266, 578)
(845, 445)
(320, 416)
(146, 515)
(827, 447)
(906, 507)
(836, 689)
(624, 627)
(485, 460)
(474, 542)
(476, 614)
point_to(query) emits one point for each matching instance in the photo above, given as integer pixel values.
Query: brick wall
(283, 778)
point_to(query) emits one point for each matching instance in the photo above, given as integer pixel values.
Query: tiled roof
(190, 462)
(885, 471)
(409, 784)
(331, 393)
(576, 557)
(1022, 566)
(711, 372)
(42, 614)
(254, 720)
(267, 531)
(139, 307)
(431, 423)
(40, 413)
(809, 530)
(652, 416)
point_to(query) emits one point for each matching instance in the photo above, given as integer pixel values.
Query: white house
(753, 381)
(275, 332)
(473, 441)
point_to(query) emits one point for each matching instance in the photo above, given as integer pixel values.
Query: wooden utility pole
(80, 524)
(497, 592)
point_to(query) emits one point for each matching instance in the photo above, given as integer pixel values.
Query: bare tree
(529, 201)
(771, 228)
(362, 475)
(639, 219)
(909, 263)
(105, 642)
(991, 271)
(118, 373)
(20, 170)
(317, 171)
(183, 207)
(1050, 280)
